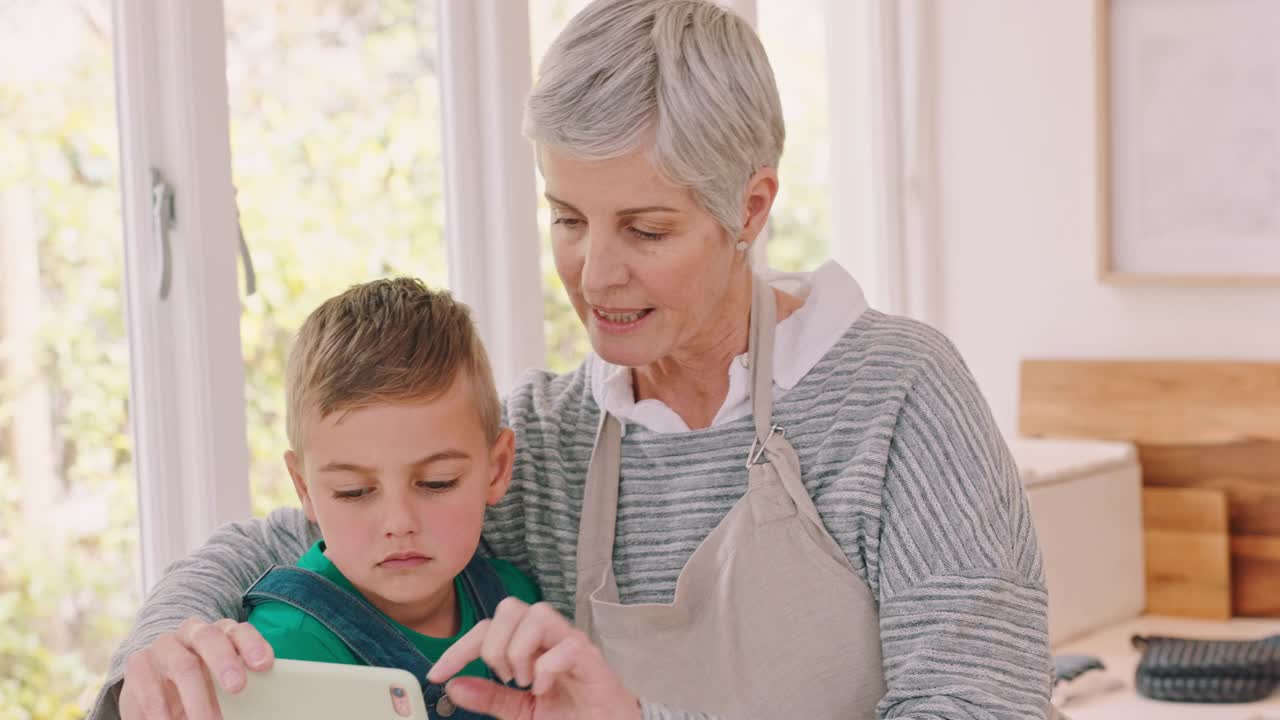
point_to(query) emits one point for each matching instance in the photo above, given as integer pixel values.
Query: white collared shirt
(833, 301)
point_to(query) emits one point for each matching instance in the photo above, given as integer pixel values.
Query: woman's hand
(170, 678)
(567, 676)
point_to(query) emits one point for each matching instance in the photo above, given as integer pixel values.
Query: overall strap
(484, 587)
(360, 625)
(485, 590)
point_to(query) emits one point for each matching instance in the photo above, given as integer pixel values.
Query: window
(800, 225)
(68, 505)
(567, 343)
(336, 155)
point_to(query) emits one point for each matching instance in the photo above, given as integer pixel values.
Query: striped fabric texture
(898, 450)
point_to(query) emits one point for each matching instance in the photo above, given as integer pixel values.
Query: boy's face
(399, 491)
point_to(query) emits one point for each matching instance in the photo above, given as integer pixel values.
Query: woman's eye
(567, 222)
(352, 494)
(647, 235)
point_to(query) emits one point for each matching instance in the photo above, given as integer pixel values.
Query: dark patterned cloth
(1208, 671)
(1069, 667)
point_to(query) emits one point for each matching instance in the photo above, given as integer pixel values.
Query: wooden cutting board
(1188, 552)
(1197, 425)
(1249, 475)
(1151, 402)
(1255, 572)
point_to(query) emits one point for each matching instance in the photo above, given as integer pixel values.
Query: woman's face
(650, 273)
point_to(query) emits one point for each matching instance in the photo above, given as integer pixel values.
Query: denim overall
(367, 632)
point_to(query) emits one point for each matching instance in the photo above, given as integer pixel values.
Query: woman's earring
(741, 246)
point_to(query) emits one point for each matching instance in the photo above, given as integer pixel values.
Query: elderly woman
(757, 497)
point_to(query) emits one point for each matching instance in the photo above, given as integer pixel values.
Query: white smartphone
(302, 690)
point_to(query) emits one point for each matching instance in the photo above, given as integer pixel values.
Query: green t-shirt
(295, 635)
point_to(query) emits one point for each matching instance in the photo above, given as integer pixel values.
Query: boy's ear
(502, 455)
(294, 463)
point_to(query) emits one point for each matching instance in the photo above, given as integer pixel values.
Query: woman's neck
(694, 383)
(693, 386)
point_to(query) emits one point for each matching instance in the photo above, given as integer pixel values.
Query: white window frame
(858, 237)
(186, 373)
(491, 221)
(905, 176)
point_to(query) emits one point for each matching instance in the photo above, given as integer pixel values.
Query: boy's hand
(536, 646)
(170, 678)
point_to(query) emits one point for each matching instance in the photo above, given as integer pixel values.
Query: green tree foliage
(68, 584)
(336, 150)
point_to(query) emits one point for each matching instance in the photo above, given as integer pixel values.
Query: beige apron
(769, 619)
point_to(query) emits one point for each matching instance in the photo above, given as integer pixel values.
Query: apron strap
(764, 319)
(598, 520)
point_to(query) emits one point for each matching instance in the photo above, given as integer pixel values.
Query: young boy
(396, 442)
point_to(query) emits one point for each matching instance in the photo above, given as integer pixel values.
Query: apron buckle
(757, 447)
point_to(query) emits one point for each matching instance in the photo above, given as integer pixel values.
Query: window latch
(163, 219)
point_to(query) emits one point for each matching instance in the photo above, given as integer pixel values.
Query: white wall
(1017, 160)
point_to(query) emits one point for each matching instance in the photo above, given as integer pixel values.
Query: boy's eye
(437, 485)
(352, 494)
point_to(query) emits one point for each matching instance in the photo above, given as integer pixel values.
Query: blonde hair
(387, 341)
(687, 77)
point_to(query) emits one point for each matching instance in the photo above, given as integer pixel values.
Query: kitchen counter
(1111, 694)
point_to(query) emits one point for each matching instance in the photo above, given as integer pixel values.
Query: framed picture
(1189, 141)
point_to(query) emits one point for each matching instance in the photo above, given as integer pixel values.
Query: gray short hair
(687, 77)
